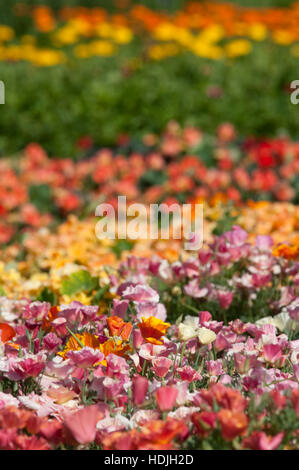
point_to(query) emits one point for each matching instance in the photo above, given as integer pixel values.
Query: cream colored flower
(206, 336)
(186, 332)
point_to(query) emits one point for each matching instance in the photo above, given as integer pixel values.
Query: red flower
(233, 424)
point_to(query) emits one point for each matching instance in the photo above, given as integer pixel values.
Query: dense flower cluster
(126, 371)
(207, 30)
(182, 165)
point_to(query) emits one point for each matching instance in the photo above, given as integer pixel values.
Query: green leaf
(2, 291)
(151, 178)
(120, 246)
(46, 295)
(77, 282)
(99, 294)
(41, 196)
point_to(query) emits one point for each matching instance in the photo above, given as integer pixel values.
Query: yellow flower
(257, 31)
(122, 35)
(102, 48)
(205, 49)
(48, 57)
(283, 37)
(65, 35)
(165, 32)
(159, 52)
(212, 34)
(238, 47)
(6, 33)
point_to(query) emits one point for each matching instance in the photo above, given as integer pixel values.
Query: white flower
(206, 336)
(186, 332)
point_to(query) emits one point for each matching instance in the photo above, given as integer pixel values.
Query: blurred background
(92, 71)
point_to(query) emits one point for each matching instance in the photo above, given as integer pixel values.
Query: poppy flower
(152, 329)
(7, 332)
(117, 327)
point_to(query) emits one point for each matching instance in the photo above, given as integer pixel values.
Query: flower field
(137, 343)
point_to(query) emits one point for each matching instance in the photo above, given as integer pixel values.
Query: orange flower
(7, 332)
(233, 423)
(290, 252)
(52, 315)
(163, 432)
(87, 339)
(155, 434)
(152, 329)
(117, 327)
(114, 347)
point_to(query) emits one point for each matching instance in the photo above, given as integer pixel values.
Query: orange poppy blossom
(52, 315)
(152, 329)
(156, 434)
(233, 423)
(116, 347)
(118, 327)
(7, 332)
(290, 252)
(86, 339)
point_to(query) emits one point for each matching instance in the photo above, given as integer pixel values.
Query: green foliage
(100, 294)
(40, 196)
(120, 246)
(78, 282)
(46, 295)
(151, 178)
(58, 105)
(225, 223)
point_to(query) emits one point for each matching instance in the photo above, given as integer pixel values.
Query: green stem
(182, 354)
(144, 367)
(193, 309)
(75, 337)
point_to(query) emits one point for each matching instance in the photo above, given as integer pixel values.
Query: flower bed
(181, 165)
(126, 371)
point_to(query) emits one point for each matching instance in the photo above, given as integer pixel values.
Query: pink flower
(261, 441)
(20, 369)
(193, 290)
(85, 357)
(166, 398)
(161, 366)
(264, 242)
(82, 424)
(225, 298)
(139, 387)
(120, 308)
(272, 352)
(141, 293)
(117, 366)
(51, 341)
(204, 316)
(189, 374)
(221, 342)
(214, 367)
(137, 338)
(60, 325)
